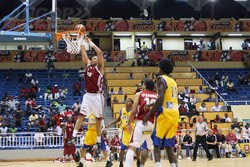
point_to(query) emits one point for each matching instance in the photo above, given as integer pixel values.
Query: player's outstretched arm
(115, 122)
(134, 109)
(99, 54)
(85, 58)
(161, 91)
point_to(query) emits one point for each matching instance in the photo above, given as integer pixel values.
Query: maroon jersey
(69, 127)
(93, 79)
(146, 97)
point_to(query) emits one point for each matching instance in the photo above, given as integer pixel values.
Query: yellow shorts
(165, 129)
(90, 138)
(125, 137)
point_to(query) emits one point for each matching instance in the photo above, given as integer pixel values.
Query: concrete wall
(242, 111)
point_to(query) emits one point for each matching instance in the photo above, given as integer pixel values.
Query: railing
(218, 95)
(241, 102)
(128, 53)
(48, 139)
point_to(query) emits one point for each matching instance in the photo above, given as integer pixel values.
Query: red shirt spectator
(68, 113)
(54, 89)
(77, 86)
(57, 118)
(231, 138)
(115, 141)
(33, 104)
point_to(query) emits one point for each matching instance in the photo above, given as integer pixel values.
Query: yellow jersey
(124, 115)
(170, 103)
(91, 119)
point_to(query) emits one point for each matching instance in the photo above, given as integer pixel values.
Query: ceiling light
(197, 34)
(173, 34)
(143, 34)
(122, 34)
(235, 34)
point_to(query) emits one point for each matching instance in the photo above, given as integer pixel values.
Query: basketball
(81, 28)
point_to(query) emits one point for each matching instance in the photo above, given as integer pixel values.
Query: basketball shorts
(142, 133)
(92, 103)
(164, 132)
(125, 139)
(68, 149)
(91, 138)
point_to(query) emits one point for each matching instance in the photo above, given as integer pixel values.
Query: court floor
(235, 162)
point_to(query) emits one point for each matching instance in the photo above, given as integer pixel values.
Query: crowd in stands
(201, 45)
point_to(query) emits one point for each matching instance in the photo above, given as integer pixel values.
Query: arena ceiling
(130, 8)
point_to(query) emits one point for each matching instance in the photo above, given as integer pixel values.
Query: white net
(73, 43)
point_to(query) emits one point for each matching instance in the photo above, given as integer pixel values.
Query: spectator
(215, 129)
(201, 90)
(33, 104)
(63, 93)
(124, 99)
(245, 45)
(144, 47)
(9, 75)
(28, 76)
(35, 83)
(47, 93)
(203, 107)
(18, 117)
(3, 130)
(114, 70)
(54, 91)
(28, 110)
(210, 80)
(138, 89)
(23, 93)
(187, 143)
(43, 116)
(240, 79)
(33, 118)
(61, 107)
(217, 118)
(231, 141)
(225, 79)
(57, 119)
(13, 129)
(28, 102)
(186, 90)
(77, 89)
(115, 100)
(131, 76)
(230, 87)
(42, 124)
(111, 92)
(216, 107)
(120, 91)
(39, 137)
(81, 74)
(12, 103)
(221, 140)
(193, 100)
(209, 99)
(217, 79)
(212, 142)
(227, 119)
(195, 46)
(183, 108)
(245, 134)
(115, 144)
(67, 113)
(8, 119)
(133, 64)
(76, 106)
(32, 92)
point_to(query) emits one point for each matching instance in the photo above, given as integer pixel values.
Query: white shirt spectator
(202, 109)
(33, 117)
(246, 133)
(193, 100)
(59, 131)
(112, 93)
(216, 108)
(34, 81)
(228, 119)
(4, 130)
(39, 137)
(12, 104)
(76, 106)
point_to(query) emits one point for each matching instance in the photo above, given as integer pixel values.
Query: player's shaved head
(166, 66)
(150, 84)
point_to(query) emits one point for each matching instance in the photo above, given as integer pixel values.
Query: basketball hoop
(73, 40)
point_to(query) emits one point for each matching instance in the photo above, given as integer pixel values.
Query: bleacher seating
(63, 78)
(243, 91)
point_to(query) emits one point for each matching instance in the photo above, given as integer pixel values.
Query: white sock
(98, 139)
(141, 165)
(173, 165)
(74, 133)
(82, 160)
(158, 164)
(129, 158)
(107, 158)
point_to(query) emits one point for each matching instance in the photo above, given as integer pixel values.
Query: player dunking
(123, 118)
(93, 101)
(167, 120)
(141, 132)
